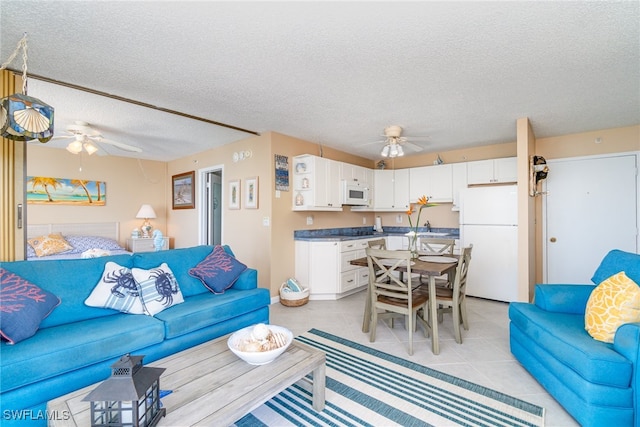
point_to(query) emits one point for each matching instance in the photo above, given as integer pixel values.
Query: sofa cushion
(564, 337)
(612, 303)
(117, 290)
(616, 261)
(179, 261)
(23, 305)
(159, 288)
(49, 245)
(218, 271)
(204, 310)
(61, 349)
(71, 280)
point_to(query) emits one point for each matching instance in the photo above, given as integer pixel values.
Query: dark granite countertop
(355, 233)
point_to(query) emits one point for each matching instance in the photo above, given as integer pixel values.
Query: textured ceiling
(335, 73)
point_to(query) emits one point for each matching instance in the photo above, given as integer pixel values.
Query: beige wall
(130, 183)
(526, 212)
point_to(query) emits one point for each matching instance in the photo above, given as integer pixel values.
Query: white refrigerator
(489, 221)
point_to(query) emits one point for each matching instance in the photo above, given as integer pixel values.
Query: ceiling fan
(394, 143)
(85, 137)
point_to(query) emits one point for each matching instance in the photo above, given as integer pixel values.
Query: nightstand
(145, 245)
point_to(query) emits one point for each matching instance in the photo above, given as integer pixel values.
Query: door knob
(552, 240)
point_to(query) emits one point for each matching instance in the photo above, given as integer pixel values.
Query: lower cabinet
(325, 268)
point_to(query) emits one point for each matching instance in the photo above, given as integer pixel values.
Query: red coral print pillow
(218, 271)
(23, 306)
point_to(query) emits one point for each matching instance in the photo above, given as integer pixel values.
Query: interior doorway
(591, 207)
(211, 206)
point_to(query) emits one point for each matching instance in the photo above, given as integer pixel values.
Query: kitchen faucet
(428, 225)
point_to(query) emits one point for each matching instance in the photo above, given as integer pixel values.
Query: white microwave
(355, 193)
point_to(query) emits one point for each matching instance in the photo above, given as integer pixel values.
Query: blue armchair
(596, 382)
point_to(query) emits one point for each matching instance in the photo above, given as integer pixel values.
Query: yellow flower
(410, 211)
(423, 200)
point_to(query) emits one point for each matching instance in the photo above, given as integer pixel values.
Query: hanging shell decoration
(26, 118)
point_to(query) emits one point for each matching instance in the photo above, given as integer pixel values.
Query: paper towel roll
(378, 223)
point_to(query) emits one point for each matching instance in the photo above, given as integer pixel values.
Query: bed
(73, 240)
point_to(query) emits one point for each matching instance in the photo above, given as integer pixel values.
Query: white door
(591, 208)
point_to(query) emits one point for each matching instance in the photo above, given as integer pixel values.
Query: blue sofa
(76, 344)
(596, 382)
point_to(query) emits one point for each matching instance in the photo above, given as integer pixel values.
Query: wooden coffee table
(212, 386)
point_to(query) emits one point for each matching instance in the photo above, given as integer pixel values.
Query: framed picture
(183, 190)
(251, 193)
(234, 194)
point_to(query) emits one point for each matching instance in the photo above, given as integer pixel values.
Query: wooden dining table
(426, 268)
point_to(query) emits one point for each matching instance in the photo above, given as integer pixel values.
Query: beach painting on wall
(65, 191)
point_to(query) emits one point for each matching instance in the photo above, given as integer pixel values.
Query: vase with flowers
(413, 230)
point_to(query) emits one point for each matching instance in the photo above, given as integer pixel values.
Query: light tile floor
(483, 358)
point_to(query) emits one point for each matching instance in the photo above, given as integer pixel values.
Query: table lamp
(146, 212)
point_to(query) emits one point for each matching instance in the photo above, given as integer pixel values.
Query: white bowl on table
(258, 357)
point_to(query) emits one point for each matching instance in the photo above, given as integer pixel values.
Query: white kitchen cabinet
(316, 184)
(397, 243)
(356, 173)
(492, 171)
(391, 190)
(324, 267)
(458, 182)
(435, 182)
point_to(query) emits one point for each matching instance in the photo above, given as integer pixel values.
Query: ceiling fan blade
(120, 145)
(412, 146)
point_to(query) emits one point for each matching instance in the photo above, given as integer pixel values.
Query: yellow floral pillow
(612, 303)
(49, 245)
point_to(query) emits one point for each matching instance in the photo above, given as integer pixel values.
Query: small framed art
(183, 190)
(251, 193)
(234, 194)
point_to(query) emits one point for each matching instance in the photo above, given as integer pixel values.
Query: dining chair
(437, 246)
(453, 300)
(378, 244)
(395, 297)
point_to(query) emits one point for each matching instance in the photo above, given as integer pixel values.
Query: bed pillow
(159, 288)
(49, 245)
(218, 271)
(612, 303)
(84, 243)
(116, 290)
(23, 306)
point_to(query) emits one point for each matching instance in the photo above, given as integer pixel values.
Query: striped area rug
(367, 387)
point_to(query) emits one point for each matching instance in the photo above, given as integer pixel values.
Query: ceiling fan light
(400, 151)
(90, 148)
(393, 152)
(74, 147)
(385, 151)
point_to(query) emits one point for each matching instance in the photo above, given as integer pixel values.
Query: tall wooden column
(13, 168)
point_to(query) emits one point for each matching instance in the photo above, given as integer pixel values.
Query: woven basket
(293, 299)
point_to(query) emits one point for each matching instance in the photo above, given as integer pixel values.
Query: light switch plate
(265, 221)
(310, 220)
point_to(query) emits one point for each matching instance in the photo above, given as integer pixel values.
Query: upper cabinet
(356, 173)
(492, 171)
(391, 190)
(316, 184)
(459, 182)
(435, 182)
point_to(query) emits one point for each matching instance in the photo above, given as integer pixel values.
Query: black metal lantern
(129, 397)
